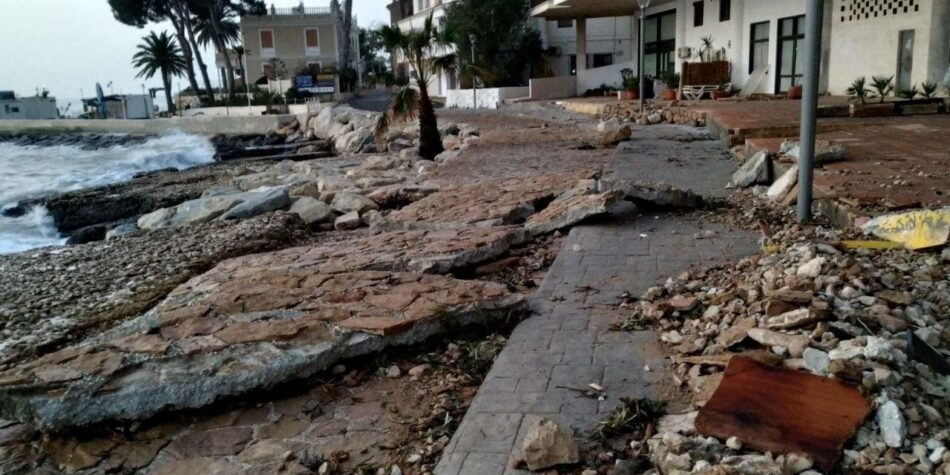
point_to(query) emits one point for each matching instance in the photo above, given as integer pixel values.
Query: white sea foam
(32, 172)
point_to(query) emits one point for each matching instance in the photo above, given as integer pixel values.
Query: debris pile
(873, 319)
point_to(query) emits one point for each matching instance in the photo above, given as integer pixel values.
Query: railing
(299, 11)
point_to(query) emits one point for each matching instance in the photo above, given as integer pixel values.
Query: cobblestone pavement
(567, 342)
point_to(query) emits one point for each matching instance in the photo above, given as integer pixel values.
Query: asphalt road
(375, 101)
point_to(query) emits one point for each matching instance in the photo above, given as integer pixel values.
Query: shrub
(883, 86)
(858, 91)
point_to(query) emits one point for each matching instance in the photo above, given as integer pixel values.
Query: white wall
(28, 108)
(609, 75)
(558, 87)
(246, 111)
(486, 98)
(613, 35)
(869, 47)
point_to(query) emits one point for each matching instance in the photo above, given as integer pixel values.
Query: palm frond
(445, 63)
(404, 104)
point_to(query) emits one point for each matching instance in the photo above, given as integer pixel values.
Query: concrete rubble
(809, 305)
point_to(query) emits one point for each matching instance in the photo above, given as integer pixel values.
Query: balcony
(298, 11)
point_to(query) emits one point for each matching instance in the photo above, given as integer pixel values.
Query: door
(659, 44)
(791, 53)
(905, 60)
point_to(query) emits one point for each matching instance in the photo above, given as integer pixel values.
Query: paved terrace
(567, 343)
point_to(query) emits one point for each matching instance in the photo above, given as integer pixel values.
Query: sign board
(304, 81)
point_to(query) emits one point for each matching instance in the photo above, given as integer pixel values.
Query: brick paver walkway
(567, 342)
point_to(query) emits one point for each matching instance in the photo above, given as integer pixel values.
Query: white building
(27, 108)
(412, 14)
(909, 39)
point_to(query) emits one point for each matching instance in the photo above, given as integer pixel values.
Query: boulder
(399, 144)
(195, 211)
(609, 124)
(783, 185)
(755, 170)
(312, 210)
(345, 202)
(548, 444)
(334, 183)
(348, 221)
(259, 202)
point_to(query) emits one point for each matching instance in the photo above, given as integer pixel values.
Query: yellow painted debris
(918, 229)
(870, 245)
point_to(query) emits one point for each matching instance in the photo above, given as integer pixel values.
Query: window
(725, 10)
(759, 50)
(791, 46)
(311, 42)
(565, 23)
(572, 60)
(14, 109)
(659, 40)
(601, 59)
(267, 44)
(269, 71)
(697, 13)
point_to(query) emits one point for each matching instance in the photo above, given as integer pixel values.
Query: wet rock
(547, 444)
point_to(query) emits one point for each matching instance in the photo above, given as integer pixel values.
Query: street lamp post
(644, 4)
(806, 164)
(471, 39)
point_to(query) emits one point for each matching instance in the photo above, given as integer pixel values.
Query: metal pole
(471, 39)
(806, 162)
(643, 15)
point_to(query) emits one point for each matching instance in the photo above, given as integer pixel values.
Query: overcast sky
(68, 45)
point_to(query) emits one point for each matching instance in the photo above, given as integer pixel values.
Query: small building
(122, 106)
(295, 41)
(27, 108)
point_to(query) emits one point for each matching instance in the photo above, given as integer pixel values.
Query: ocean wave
(28, 172)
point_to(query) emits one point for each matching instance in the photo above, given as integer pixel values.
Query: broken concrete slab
(275, 327)
(486, 203)
(825, 151)
(571, 211)
(656, 194)
(783, 184)
(783, 411)
(755, 170)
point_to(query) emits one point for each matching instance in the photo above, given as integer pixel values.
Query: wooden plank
(783, 411)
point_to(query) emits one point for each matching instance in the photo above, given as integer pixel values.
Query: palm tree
(420, 49)
(160, 54)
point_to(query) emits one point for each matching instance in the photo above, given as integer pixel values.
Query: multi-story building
(762, 39)
(409, 15)
(296, 39)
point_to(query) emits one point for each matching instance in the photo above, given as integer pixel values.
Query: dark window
(697, 13)
(659, 48)
(14, 109)
(565, 23)
(791, 49)
(725, 10)
(759, 50)
(573, 61)
(601, 59)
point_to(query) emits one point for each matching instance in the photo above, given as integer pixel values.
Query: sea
(28, 172)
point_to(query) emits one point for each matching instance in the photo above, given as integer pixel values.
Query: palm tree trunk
(347, 34)
(219, 44)
(186, 52)
(189, 28)
(430, 142)
(167, 82)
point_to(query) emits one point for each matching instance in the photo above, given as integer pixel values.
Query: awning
(573, 9)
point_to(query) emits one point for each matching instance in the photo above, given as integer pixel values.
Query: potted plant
(630, 89)
(672, 81)
(794, 93)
